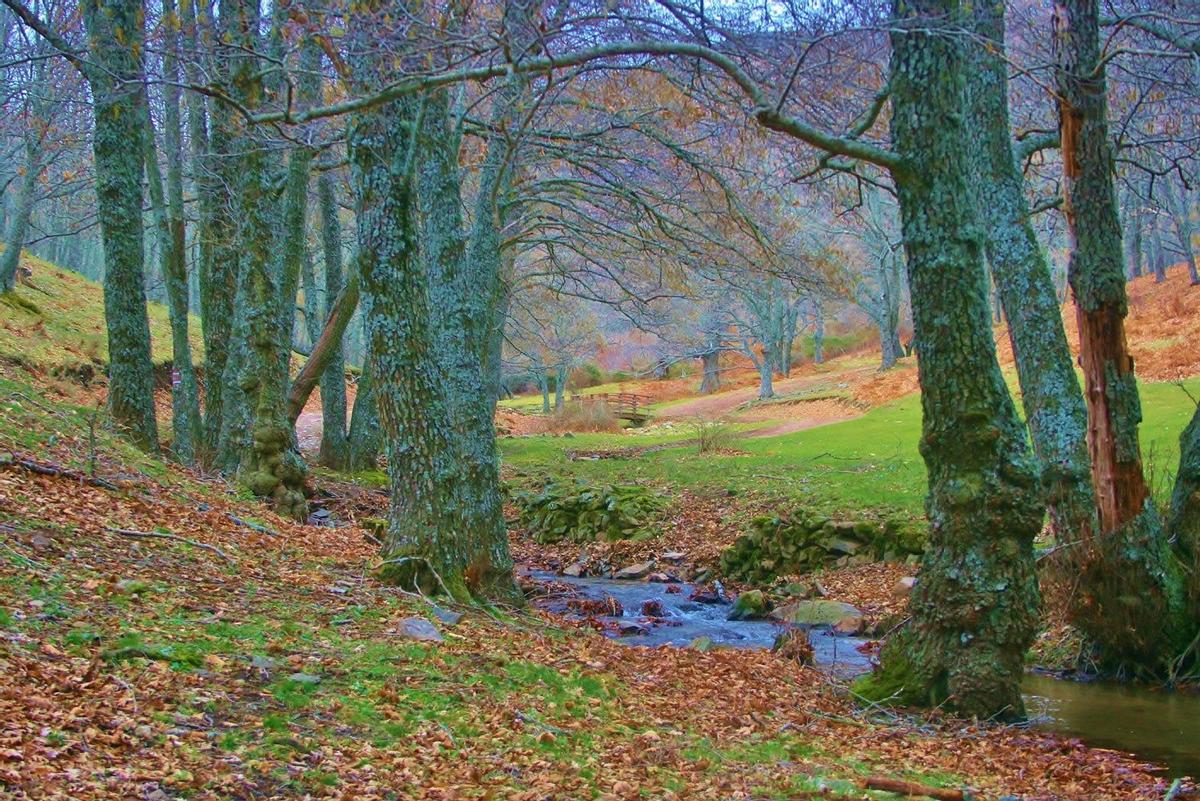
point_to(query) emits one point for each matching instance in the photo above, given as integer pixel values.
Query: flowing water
(1158, 727)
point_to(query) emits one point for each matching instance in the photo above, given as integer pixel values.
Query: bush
(578, 512)
(587, 375)
(712, 435)
(578, 416)
(797, 543)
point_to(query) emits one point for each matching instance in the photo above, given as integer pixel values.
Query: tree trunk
(766, 366)
(1159, 258)
(544, 385)
(1133, 234)
(270, 465)
(325, 351)
(364, 439)
(711, 360)
(1180, 209)
(560, 386)
(975, 606)
(115, 35)
(889, 317)
(463, 297)
(1184, 520)
(18, 226)
(818, 332)
(1130, 596)
(314, 308)
(422, 548)
(184, 398)
(215, 175)
(334, 444)
(185, 394)
(1054, 407)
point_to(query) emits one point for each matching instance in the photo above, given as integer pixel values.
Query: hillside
(1162, 328)
(53, 326)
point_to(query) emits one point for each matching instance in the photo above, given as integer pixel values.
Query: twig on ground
(46, 469)
(252, 525)
(125, 532)
(912, 789)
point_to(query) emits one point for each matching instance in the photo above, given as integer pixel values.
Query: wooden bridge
(624, 405)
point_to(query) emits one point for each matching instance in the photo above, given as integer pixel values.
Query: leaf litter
(152, 669)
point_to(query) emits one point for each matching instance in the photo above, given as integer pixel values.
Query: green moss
(896, 681)
(64, 319)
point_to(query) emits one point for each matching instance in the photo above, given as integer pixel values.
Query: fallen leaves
(505, 707)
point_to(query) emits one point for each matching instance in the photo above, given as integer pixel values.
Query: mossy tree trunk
(216, 171)
(1131, 599)
(334, 445)
(115, 39)
(975, 606)
(423, 548)
(271, 241)
(1054, 407)
(168, 222)
(464, 297)
(18, 225)
(364, 440)
(1184, 520)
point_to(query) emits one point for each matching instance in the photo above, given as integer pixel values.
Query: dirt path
(721, 403)
(792, 426)
(308, 431)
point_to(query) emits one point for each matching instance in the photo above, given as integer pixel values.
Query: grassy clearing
(869, 463)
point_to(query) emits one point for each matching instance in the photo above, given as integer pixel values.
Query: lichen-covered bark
(185, 393)
(1131, 601)
(334, 451)
(115, 41)
(215, 175)
(1184, 520)
(184, 400)
(271, 247)
(365, 439)
(18, 225)
(1054, 407)
(463, 301)
(974, 608)
(423, 547)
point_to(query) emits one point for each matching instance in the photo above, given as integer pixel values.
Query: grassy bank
(867, 463)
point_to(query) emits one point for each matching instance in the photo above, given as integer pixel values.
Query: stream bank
(1158, 727)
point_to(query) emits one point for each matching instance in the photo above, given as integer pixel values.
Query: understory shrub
(578, 416)
(801, 542)
(579, 512)
(712, 435)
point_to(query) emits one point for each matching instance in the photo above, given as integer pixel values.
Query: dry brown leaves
(1162, 327)
(123, 736)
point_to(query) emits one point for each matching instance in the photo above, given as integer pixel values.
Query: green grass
(869, 463)
(58, 323)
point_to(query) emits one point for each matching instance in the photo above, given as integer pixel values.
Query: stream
(1158, 727)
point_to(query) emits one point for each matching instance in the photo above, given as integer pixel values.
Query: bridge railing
(627, 405)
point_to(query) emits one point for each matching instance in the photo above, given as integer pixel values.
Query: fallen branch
(250, 524)
(158, 535)
(44, 469)
(912, 789)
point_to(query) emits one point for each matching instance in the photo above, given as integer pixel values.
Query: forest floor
(163, 635)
